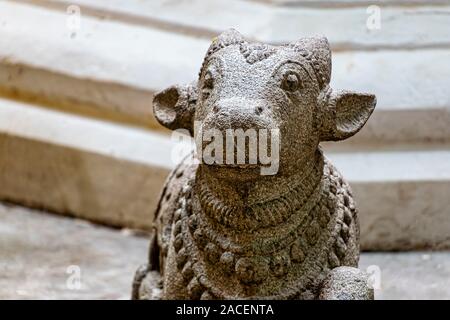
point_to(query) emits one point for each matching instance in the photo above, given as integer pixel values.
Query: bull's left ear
(174, 107)
(345, 114)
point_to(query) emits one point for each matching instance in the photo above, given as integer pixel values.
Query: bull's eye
(291, 82)
(208, 85)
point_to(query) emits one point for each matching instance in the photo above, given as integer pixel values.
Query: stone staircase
(77, 135)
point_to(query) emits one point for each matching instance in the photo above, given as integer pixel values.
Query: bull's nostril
(259, 110)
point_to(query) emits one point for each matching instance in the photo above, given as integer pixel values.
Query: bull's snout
(239, 133)
(239, 113)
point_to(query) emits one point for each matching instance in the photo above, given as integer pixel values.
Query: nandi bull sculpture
(226, 231)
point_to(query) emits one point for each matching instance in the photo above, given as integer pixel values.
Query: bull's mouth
(234, 172)
(235, 165)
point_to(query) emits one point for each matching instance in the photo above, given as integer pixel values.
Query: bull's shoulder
(339, 200)
(177, 181)
(148, 281)
(337, 187)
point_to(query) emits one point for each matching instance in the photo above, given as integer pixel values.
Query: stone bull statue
(226, 231)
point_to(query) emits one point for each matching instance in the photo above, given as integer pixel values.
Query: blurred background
(82, 160)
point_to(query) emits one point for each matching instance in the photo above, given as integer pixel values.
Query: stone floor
(40, 255)
(43, 256)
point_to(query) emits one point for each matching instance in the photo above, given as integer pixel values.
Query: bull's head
(256, 86)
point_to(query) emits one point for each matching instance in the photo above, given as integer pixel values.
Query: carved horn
(317, 51)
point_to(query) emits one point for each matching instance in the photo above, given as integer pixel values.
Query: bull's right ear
(345, 114)
(174, 107)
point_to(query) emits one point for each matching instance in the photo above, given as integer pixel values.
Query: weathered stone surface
(423, 222)
(409, 275)
(79, 166)
(72, 153)
(409, 110)
(419, 190)
(36, 248)
(94, 75)
(258, 213)
(274, 24)
(346, 283)
(88, 70)
(402, 116)
(352, 3)
(37, 251)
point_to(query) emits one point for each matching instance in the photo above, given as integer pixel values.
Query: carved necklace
(266, 213)
(292, 258)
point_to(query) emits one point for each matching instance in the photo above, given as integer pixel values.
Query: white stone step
(346, 28)
(36, 250)
(409, 275)
(78, 166)
(113, 174)
(352, 3)
(402, 196)
(109, 66)
(111, 70)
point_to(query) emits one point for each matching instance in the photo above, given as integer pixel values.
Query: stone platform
(41, 253)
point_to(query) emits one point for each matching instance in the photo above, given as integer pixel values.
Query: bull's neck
(253, 200)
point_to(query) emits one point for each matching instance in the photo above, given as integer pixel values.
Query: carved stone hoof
(147, 285)
(346, 283)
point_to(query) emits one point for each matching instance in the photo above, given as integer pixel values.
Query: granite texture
(46, 256)
(230, 231)
(34, 264)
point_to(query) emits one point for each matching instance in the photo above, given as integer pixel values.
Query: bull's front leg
(346, 283)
